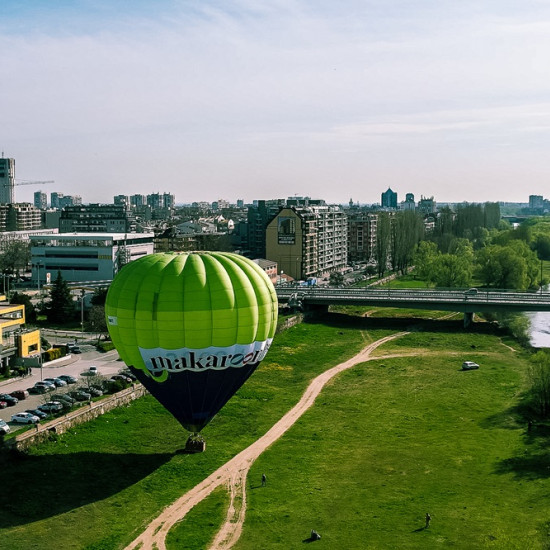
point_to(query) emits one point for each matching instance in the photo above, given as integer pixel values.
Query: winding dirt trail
(234, 472)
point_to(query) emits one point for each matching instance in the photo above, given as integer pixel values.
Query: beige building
(308, 241)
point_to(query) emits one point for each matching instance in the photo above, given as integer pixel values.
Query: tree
(96, 321)
(451, 270)
(15, 258)
(60, 308)
(382, 246)
(514, 266)
(539, 374)
(336, 278)
(424, 257)
(99, 296)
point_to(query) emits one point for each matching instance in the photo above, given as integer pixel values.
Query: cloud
(238, 81)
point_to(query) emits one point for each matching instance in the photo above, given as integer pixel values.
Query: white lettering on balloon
(158, 360)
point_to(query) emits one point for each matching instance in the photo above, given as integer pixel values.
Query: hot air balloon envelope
(192, 327)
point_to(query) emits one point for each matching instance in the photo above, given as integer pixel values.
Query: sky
(260, 99)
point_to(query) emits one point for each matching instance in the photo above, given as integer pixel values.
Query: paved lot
(106, 363)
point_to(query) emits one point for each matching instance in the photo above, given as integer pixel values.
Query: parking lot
(107, 365)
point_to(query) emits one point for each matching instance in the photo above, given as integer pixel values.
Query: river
(540, 329)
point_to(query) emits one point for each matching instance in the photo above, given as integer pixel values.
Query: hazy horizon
(241, 99)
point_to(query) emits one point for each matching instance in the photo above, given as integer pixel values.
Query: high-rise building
(101, 218)
(308, 241)
(54, 199)
(7, 180)
(361, 235)
(389, 199)
(138, 200)
(40, 200)
(536, 202)
(122, 200)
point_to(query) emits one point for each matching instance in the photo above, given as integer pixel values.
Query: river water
(540, 329)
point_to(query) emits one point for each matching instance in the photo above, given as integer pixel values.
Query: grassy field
(385, 443)
(96, 487)
(395, 438)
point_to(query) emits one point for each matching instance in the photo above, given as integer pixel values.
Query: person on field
(264, 480)
(428, 519)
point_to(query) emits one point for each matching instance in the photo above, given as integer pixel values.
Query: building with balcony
(308, 241)
(361, 235)
(100, 218)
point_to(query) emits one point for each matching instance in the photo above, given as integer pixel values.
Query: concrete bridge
(466, 301)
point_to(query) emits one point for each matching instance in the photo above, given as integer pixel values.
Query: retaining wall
(84, 413)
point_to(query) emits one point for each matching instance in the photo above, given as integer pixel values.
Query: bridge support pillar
(468, 319)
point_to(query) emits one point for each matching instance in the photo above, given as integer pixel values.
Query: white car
(4, 428)
(93, 370)
(24, 418)
(469, 365)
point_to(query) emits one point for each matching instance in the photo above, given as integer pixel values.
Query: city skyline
(277, 98)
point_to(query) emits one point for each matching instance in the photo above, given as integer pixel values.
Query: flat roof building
(85, 256)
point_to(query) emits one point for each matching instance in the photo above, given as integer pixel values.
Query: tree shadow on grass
(39, 487)
(530, 466)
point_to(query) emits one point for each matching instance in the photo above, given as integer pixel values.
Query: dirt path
(234, 472)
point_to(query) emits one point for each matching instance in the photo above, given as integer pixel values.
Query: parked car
(48, 385)
(9, 399)
(57, 382)
(80, 395)
(37, 412)
(93, 370)
(68, 378)
(469, 365)
(25, 418)
(3, 404)
(122, 378)
(63, 397)
(20, 394)
(38, 389)
(51, 407)
(94, 392)
(4, 428)
(129, 375)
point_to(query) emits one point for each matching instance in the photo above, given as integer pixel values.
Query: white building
(85, 256)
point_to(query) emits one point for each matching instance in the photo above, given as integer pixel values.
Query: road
(106, 363)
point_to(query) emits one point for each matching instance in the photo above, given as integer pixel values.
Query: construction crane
(20, 182)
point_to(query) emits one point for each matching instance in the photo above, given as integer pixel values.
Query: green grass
(384, 443)
(196, 530)
(393, 439)
(96, 487)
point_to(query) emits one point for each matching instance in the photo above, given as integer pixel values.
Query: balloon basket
(195, 444)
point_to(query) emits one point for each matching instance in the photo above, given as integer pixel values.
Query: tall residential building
(40, 200)
(308, 241)
(101, 218)
(7, 180)
(389, 199)
(536, 202)
(258, 217)
(361, 235)
(54, 199)
(138, 200)
(122, 200)
(19, 217)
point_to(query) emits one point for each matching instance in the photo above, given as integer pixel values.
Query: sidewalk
(61, 362)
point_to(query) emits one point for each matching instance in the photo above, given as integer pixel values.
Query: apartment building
(308, 241)
(361, 235)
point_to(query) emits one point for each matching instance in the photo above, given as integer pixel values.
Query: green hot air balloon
(192, 327)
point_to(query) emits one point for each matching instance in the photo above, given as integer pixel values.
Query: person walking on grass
(428, 519)
(264, 480)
